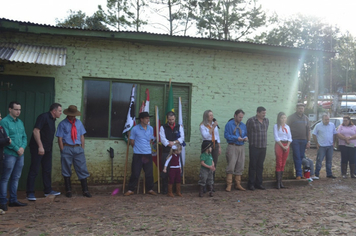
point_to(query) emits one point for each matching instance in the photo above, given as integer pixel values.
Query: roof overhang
(44, 55)
(163, 39)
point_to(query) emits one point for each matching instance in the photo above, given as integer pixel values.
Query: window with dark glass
(106, 103)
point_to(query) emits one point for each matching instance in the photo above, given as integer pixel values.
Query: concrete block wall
(222, 81)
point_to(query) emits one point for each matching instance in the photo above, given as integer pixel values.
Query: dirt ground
(322, 207)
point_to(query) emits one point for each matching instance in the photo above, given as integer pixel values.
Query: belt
(210, 141)
(284, 141)
(235, 144)
(76, 145)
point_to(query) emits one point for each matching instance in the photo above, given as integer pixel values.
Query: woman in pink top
(347, 144)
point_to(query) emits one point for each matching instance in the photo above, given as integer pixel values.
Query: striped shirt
(257, 132)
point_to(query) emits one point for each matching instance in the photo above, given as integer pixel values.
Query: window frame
(139, 97)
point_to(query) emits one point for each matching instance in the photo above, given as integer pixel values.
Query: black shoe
(3, 207)
(17, 204)
(331, 176)
(69, 194)
(251, 188)
(260, 187)
(86, 194)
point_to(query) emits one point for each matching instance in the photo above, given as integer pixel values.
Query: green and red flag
(170, 103)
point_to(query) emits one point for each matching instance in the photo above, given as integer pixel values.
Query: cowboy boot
(238, 183)
(344, 170)
(201, 190)
(178, 190)
(210, 189)
(68, 187)
(228, 182)
(170, 193)
(352, 170)
(85, 188)
(278, 179)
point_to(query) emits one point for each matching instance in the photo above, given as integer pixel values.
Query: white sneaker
(52, 193)
(310, 180)
(315, 177)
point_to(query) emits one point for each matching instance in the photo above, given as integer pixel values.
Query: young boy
(207, 169)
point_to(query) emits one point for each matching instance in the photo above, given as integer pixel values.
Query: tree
(123, 14)
(138, 6)
(80, 20)
(305, 32)
(229, 19)
(186, 15)
(177, 13)
(344, 64)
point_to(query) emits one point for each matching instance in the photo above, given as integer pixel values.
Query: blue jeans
(326, 152)
(298, 146)
(12, 169)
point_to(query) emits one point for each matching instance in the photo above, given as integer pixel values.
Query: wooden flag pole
(157, 150)
(126, 161)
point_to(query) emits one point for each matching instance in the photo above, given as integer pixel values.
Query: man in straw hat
(140, 139)
(70, 133)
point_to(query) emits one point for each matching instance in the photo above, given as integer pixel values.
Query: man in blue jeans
(13, 156)
(324, 135)
(300, 129)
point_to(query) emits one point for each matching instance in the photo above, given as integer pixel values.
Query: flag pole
(180, 122)
(130, 122)
(157, 150)
(126, 161)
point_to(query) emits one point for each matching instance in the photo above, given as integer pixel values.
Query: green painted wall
(222, 81)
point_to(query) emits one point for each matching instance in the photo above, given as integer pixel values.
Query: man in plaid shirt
(257, 127)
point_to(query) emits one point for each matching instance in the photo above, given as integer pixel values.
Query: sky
(340, 13)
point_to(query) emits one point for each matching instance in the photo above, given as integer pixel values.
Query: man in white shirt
(324, 135)
(170, 134)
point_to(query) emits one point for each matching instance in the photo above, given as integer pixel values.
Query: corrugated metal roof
(18, 52)
(201, 39)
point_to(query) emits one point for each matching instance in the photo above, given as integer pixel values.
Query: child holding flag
(175, 169)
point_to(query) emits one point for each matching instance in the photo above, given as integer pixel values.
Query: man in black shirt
(41, 151)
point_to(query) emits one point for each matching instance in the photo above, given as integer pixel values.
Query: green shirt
(207, 158)
(16, 131)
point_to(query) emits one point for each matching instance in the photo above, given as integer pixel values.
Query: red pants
(174, 175)
(281, 156)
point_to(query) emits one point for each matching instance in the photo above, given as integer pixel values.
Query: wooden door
(35, 94)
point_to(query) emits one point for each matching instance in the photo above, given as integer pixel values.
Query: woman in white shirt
(210, 133)
(283, 138)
